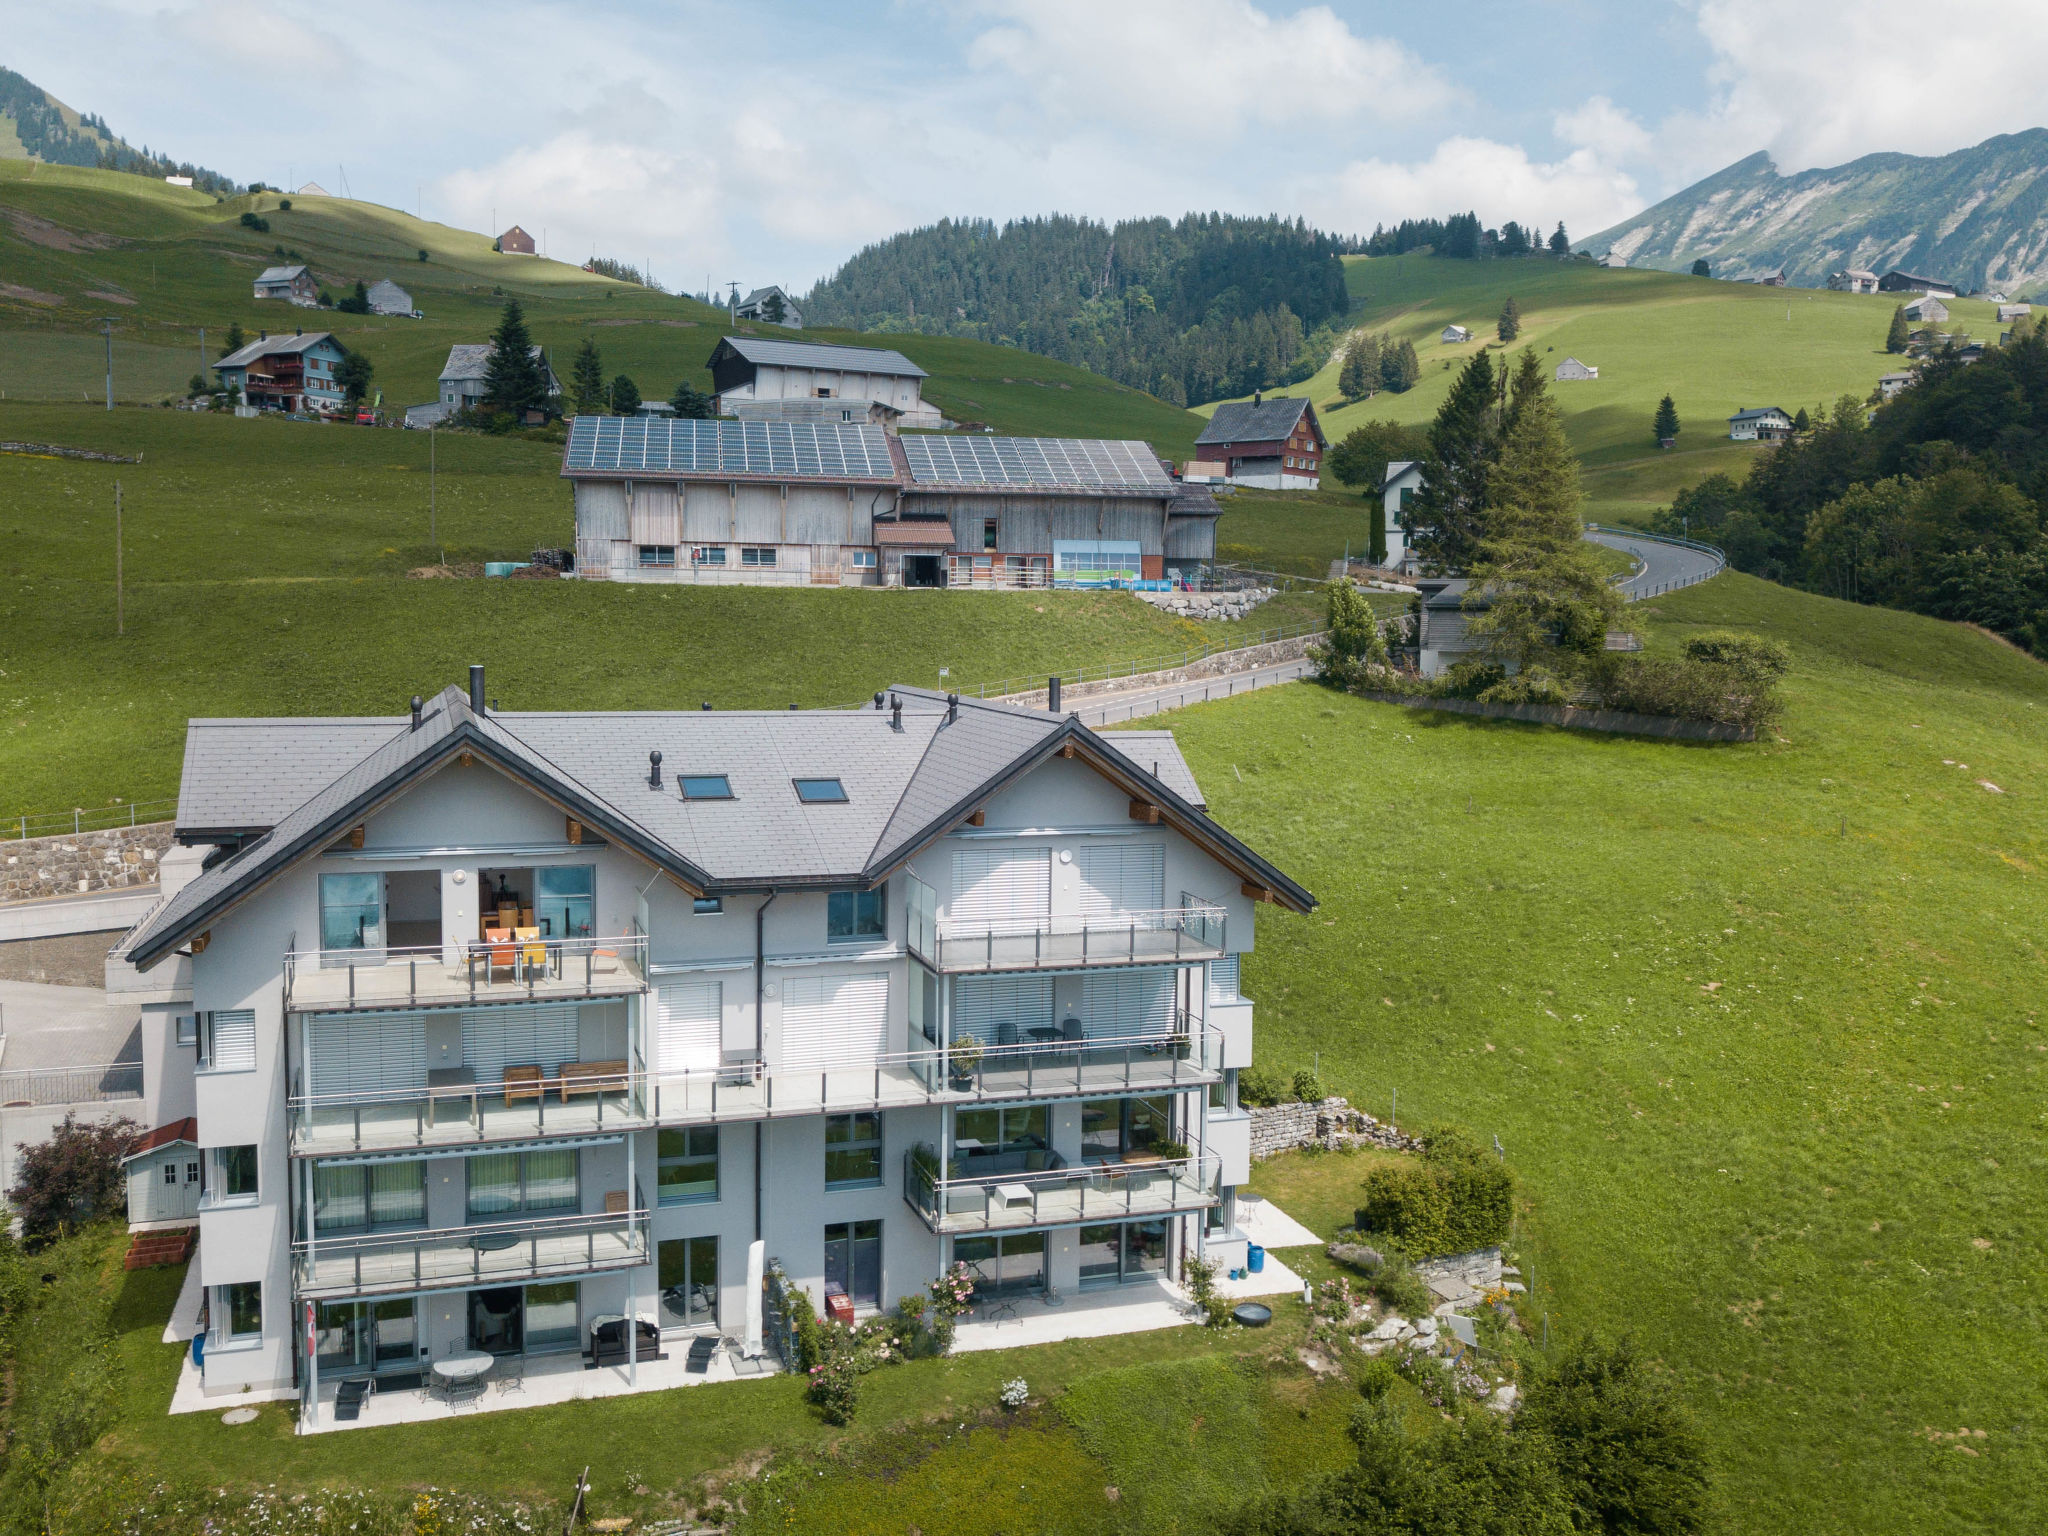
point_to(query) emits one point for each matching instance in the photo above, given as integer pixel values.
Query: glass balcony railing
(1189, 1057)
(574, 1099)
(493, 971)
(450, 1258)
(968, 945)
(963, 1199)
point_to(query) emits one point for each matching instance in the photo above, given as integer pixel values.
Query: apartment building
(498, 1028)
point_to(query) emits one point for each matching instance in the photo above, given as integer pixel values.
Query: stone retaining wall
(1208, 605)
(1617, 721)
(117, 859)
(1330, 1123)
(1219, 664)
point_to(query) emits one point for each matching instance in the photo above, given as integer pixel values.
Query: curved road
(1665, 566)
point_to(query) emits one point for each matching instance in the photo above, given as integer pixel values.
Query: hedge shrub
(1456, 1197)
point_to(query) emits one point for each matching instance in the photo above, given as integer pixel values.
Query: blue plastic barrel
(1255, 1258)
(199, 1349)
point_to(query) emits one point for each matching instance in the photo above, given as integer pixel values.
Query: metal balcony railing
(1190, 1056)
(450, 1258)
(1169, 935)
(488, 971)
(575, 1099)
(961, 1200)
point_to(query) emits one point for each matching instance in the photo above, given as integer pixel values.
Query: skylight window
(704, 786)
(820, 791)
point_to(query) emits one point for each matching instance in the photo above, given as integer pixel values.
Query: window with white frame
(861, 559)
(757, 555)
(227, 1040)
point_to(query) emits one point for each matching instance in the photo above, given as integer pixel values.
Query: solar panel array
(780, 449)
(1034, 461)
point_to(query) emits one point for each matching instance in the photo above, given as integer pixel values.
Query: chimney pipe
(1052, 693)
(654, 770)
(418, 704)
(476, 687)
(952, 707)
(895, 713)
(1258, 397)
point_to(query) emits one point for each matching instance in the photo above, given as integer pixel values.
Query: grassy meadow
(163, 262)
(1757, 1026)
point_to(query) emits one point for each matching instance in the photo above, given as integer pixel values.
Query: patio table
(470, 1365)
(1014, 1194)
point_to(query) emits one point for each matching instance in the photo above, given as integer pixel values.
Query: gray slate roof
(1240, 421)
(1757, 412)
(272, 346)
(467, 359)
(904, 788)
(761, 350)
(279, 274)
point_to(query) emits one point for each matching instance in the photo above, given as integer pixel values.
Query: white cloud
(1499, 181)
(1205, 67)
(1608, 131)
(1822, 83)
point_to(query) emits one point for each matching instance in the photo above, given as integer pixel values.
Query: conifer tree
(1801, 422)
(1701, 269)
(1450, 509)
(1510, 319)
(1529, 383)
(690, 403)
(586, 380)
(1399, 367)
(1360, 375)
(1896, 338)
(625, 396)
(513, 380)
(1666, 425)
(236, 341)
(1559, 244)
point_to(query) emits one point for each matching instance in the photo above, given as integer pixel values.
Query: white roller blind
(983, 1004)
(1223, 974)
(234, 1039)
(370, 1053)
(1000, 885)
(520, 1034)
(1127, 1003)
(688, 1039)
(833, 1019)
(1122, 877)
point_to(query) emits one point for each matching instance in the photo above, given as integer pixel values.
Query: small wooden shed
(163, 1173)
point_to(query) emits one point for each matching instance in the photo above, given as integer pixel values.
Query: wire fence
(99, 819)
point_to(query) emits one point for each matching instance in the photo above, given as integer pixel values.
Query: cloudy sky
(765, 142)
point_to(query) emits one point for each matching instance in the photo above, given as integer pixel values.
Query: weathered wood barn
(835, 503)
(759, 379)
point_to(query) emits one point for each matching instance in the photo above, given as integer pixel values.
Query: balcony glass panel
(959, 1200)
(495, 1253)
(967, 945)
(514, 966)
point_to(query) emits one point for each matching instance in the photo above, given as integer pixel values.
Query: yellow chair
(533, 954)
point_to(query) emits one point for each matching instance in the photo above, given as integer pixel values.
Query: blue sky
(766, 142)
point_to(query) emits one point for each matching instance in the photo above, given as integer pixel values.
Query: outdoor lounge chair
(703, 1350)
(349, 1398)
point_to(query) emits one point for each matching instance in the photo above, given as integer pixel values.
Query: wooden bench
(524, 1082)
(591, 1077)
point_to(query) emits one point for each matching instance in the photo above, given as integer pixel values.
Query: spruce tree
(1375, 528)
(1803, 423)
(1399, 367)
(772, 309)
(236, 341)
(1896, 338)
(1360, 375)
(1559, 244)
(513, 380)
(625, 396)
(1510, 319)
(1450, 509)
(1701, 269)
(690, 403)
(1666, 426)
(1529, 384)
(586, 380)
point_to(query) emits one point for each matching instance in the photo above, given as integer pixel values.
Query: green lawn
(1757, 1026)
(165, 261)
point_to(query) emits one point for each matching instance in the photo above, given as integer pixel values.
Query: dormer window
(705, 786)
(820, 791)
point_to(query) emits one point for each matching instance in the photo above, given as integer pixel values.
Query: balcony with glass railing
(576, 1098)
(1189, 1056)
(456, 1258)
(955, 1199)
(512, 970)
(960, 945)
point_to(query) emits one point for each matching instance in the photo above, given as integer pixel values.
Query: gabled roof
(838, 451)
(905, 788)
(1243, 421)
(278, 274)
(1396, 468)
(185, 1130)
(467, 359)
(761, 350)
(274, 346)
(760, 296)
(1758, 412)
(974, 462)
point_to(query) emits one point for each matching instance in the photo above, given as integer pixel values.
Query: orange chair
(501, 953)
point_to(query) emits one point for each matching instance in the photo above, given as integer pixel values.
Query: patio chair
(349, 1397)
(703, 1350)
(499, 953)
(511, 1374)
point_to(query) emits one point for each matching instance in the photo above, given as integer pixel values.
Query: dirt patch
(682, 325)
(457, 569)
(23, 295)
(56, 237)
(111, 298)
(536, 573)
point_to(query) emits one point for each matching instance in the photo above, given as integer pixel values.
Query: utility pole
(120, 607)
(433, 535)
(107, 327)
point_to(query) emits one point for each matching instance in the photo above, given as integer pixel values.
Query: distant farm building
(516, 242)
(755, 307)
(1452, 335)
(1926, 307)
(293, 284)
(1614, 259)
(1571, 370)
(462, 376)
(1759, 424)
(759, 378)
(1889, 384)
(1855, 280)
(312, 189)
(1906, 282)
(1275, 445)
(2007, 313)
(286, 373)
(387, 298)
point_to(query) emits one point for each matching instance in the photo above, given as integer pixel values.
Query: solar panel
(778, 449)
(1033, 461)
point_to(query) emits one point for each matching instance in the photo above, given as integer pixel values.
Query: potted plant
(1171, 1151)
(961, 1060)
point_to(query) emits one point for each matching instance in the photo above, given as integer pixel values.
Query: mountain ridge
(1977, 217)
(40, 127)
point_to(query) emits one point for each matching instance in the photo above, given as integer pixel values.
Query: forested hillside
(1937, 505)
(1207, 307)
(47, 130)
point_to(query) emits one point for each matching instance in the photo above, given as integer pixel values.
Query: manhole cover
(239, 1416)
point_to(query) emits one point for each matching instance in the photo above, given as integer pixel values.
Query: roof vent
(1052, 693)
(878, 699)
(654, 770)
(418, 704)
(705, 706)
(1258, 397)
(895, 713)
(792, 709)
(952, 707)
(476, 687)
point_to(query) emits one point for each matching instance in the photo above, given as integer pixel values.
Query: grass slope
(164, 261)
(1758, 1026)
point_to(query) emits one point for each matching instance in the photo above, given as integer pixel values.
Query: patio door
(853, 1261)
(1124, 1251)
(379, 1054)
(518, 1034)
(1012, 1262)
(351, 1337)
(1001, 1010)
(688, 1270)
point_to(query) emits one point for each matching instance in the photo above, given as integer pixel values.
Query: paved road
(1109, 709)
(1665, 567)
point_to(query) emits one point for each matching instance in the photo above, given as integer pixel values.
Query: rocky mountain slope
(1977, 218)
